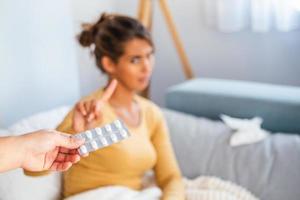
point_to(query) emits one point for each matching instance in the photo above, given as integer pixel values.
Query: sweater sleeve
(167, 173)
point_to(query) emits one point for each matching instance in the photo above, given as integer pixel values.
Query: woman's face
(134, 67)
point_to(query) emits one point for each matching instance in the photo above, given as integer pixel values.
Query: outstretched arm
(38, 151)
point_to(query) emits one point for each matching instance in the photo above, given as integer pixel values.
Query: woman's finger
(80, 107)
(94, 106)
(98, 116)
(87, 106)
(78, 124)
(109, 90)
(93, 112)
(91, 117)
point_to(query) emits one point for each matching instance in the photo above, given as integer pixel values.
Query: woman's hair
(109, 34)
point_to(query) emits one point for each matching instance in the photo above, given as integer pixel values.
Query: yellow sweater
(125, 163)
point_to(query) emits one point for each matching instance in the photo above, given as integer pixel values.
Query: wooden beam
(145, 13)
(178, 44)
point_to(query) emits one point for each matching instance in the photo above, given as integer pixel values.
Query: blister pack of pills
(102, 136)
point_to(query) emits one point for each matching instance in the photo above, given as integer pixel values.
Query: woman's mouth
(144, 79)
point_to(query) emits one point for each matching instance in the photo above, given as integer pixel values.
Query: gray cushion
(269, 169)
(279, 106)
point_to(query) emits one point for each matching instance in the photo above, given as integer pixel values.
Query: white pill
(98, 131)
(114, 137)
(123, 133)
(89, 134)
(108, 128)
(104, 141)
(83, 149)
(118, 124)
(94, 145)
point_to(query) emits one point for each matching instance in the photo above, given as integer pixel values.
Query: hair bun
(103, 17)
(86, 38)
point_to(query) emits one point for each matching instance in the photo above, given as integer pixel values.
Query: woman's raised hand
(88, 111)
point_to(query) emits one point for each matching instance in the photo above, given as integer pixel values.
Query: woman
(124, 51)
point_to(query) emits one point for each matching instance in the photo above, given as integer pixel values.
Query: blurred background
(42, 66)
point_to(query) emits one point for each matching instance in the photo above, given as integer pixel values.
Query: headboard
(278, 106)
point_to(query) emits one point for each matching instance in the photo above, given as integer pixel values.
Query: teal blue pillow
(279, 106)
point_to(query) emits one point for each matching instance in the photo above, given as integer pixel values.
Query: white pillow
(43, 120)
(14, 185)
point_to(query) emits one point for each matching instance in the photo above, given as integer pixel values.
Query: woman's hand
(88, 111)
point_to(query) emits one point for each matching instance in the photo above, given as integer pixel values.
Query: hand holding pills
(39, 150)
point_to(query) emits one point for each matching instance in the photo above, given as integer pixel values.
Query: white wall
(38, 68)
(41, 63)
(86, 12)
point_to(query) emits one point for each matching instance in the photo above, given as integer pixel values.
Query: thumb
(65, 140)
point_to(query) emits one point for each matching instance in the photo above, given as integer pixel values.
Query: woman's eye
(135, 60)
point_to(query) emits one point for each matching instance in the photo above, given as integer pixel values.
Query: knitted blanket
(201, 188)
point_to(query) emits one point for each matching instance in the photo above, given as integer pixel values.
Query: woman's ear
(108, 65)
